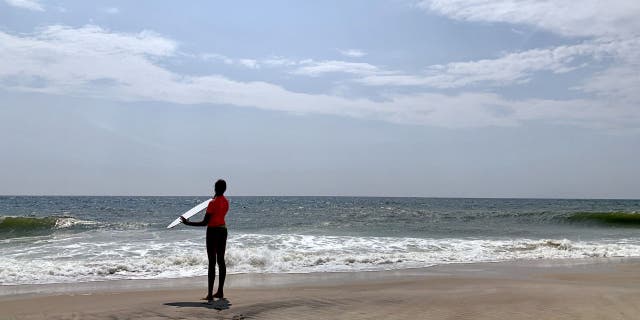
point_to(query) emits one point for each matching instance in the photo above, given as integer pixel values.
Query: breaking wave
(630, 219)
(154, 258)
(11, 227)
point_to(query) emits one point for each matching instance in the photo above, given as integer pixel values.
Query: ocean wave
(630, 219)
(17, 227)
(585, 218)
(153, 257)
(11, 226)
(597, 219)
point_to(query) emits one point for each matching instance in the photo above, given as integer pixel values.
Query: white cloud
(306, 67)
(246, 63)
(218, 57)
(249, 63)
(93, 62)
(614, 40)
(316, 68)
(616, 83)
(614, 18)
(279, 62)
(354, 53)
(612, 27)
(26, 4)
(509, 69)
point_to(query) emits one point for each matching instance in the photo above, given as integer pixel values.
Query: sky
(457, 98)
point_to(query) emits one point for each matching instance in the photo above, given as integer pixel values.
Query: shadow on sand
(222, 304)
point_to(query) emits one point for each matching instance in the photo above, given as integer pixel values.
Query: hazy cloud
(316, 68)
(354, 53)
(26, 4)
(94, 62)
(279, 62)
(244, 62)
(249, 63)
(570, 18)
(512, 68)
(217, 57)
(612, 27)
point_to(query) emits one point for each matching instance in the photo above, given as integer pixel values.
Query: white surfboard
(189, 213)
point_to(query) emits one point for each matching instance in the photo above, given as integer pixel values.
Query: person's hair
(220, 187)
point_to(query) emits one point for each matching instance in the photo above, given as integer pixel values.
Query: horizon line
(325, 196)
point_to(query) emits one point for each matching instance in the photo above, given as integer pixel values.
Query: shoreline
(533, 289)
(511, 268)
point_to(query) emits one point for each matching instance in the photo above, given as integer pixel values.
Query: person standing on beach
(216, 237)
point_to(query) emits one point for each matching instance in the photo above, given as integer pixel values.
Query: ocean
(66, 239)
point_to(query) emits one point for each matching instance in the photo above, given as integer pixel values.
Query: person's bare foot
(208, 298)
(218, 295)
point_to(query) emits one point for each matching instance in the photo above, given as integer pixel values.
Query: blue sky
(462, 98)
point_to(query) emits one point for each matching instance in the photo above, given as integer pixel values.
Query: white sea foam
(129, 255)
(68, 222)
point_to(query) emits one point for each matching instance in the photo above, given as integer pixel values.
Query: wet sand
(577, 289)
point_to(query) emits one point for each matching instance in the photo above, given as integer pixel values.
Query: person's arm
(202, 223)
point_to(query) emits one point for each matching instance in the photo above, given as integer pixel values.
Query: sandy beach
(570, 289)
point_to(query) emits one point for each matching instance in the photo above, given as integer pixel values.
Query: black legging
(216, 245)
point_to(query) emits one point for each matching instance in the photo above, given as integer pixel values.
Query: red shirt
(217, 208)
